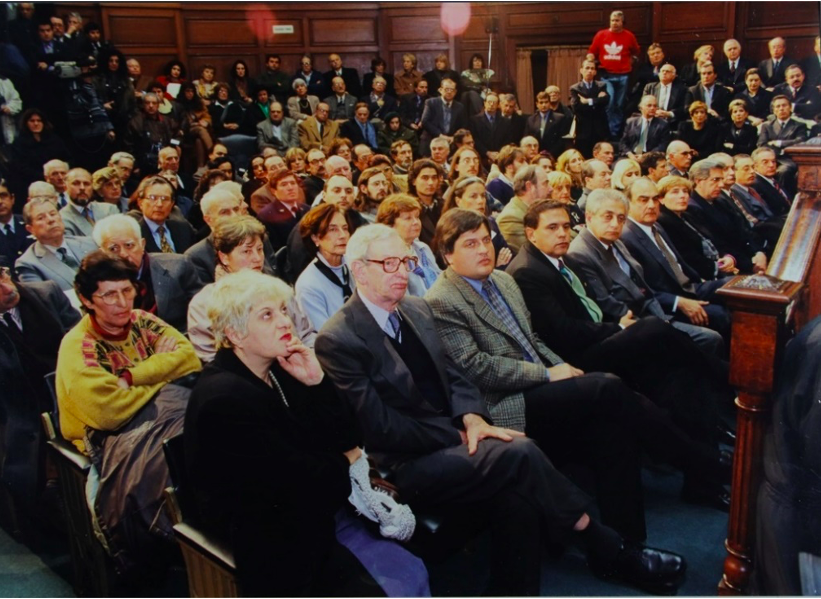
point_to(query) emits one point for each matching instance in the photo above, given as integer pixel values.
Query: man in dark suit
(359, 129)
(678, 288)
(645, 133)
(731, 74)
(669, 93)
(548, 126)
(349, 76)
(766, 183)
(161, 233)
(14, 239)
(169, 281)
(486, 130)
(412, 105)
(33, 319)
(512, 124)
(773, 69)
(340, 103)
(647, 73)
(443, 116)
(561, 311)
(755, 209)
(285, 211)
(724, 225)
(716, 97)
(806, 99)
(782, 132)
(427, 423)
(614, 279)
(589, 100)
(379, 102)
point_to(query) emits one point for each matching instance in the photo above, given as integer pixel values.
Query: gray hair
(117, 156)
(41, 189)
(440, 141)
(526, 174)
(105, 226)
(360, 242)
(725, 159)
(215, 195)
(147, 95)
(33, 203)
(233, 298)
(297, 82)
(52, 164)
(701, 169)
(597, 197)
(232, 187)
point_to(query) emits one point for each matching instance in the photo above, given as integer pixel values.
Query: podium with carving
(767, 310)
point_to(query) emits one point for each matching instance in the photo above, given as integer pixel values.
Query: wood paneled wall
(222, 32)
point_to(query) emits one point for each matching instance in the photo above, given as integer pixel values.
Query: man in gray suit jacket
(427, 423)
(341, 104)
(80, 214)
(613, 278)
(54, 256)
(279, 131)
(169, 281)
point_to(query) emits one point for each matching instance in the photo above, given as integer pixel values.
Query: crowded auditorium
(371, 247)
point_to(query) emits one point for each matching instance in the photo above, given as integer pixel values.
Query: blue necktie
(393, 319)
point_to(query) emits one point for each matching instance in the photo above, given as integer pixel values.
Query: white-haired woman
(268, 446)
(302, 105)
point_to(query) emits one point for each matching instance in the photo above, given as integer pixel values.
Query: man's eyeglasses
(110, 297)
(391, 265)
(161, 199)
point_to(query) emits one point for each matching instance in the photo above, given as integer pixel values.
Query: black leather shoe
(725, 435)
(652, 570)
(708, 496)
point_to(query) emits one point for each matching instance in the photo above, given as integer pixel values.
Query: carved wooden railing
(766, 311)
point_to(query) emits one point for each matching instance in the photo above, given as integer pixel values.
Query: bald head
(336, 165)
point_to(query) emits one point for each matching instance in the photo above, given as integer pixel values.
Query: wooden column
(759, 306)
(766, 311)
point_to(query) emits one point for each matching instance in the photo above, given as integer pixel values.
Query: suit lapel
(395, 370)
(52, 263)
(651, 247)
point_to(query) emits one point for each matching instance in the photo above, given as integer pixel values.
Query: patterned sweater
(90, 362)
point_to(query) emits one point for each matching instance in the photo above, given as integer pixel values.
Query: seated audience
(34, 318)
(238, 244)
(380, 350)
(14, 238)
(325, 284)
(529, 185)
(54, 256)
(108, 188)
(613, 278)
(116, 404)
(286, 539)
(738, 136)
(301, 105)
(625, 171)
(469, 193)
(165, 282)
(401, 212)
(156, 199)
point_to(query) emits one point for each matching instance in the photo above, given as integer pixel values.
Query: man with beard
(402, 155)
(424, 180)
(81, 213)
(373, 188)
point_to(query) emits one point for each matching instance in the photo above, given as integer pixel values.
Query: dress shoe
(725, 435)
(652, 570)
(714, 496)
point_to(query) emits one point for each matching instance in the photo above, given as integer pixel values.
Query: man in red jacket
(615, 49)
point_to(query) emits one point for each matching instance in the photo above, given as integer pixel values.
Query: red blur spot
(455, 17)
(260, 22)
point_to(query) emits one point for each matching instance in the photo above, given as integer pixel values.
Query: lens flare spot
(455, 17)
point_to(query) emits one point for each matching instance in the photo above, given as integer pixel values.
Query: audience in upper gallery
(334, 151)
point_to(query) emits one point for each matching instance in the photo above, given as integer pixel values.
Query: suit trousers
(584, 420)
(515, 487)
